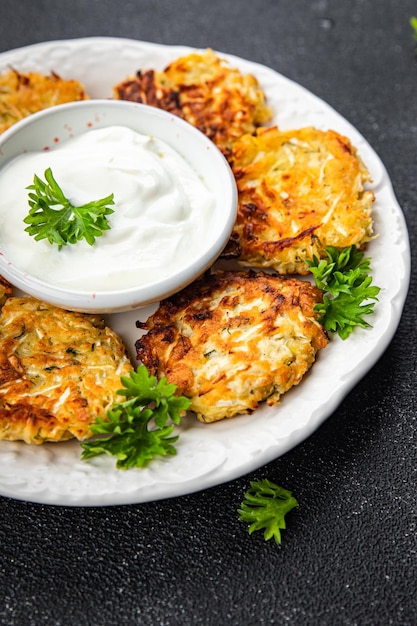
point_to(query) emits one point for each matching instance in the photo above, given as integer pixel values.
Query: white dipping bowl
(50, 127)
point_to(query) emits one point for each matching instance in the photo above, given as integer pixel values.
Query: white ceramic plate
(212, 454)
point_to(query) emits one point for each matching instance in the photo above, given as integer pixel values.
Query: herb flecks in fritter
(206, 91)
(59, 371)
(22, 94)
(299, 191)
(234, 339)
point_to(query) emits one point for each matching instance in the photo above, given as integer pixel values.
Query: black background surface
(349, 554)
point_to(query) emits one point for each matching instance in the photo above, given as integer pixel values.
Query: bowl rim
(112, 300)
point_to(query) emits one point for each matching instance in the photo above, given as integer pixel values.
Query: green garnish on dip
(53, 217)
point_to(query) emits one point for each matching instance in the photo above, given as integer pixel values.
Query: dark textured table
(349, 554)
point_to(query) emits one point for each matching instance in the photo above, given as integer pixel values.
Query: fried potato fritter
(298, 192)
(6, 290)
(206, 91)
(59, 371)
(22, 94)
(233, 339)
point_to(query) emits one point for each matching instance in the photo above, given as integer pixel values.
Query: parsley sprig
(413, 24)
(139, 428)
(265, 506)
(344, 277)
(53, 217)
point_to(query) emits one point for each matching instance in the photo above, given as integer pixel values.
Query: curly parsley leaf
(140, 428)
(265, 506)
(344, 277)
(53, 217)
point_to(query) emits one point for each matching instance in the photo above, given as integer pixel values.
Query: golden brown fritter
(206, 91)
(6, 290)
(298, 192)
(233, 339)
(22, 94)
(59, 371)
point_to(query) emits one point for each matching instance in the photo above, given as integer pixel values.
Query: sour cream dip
(161, 216)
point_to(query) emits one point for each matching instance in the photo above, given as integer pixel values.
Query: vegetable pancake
(206, 91)
(22, 94)
(233, 339)
(59, 371)
(299, 191)
(6, 290)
